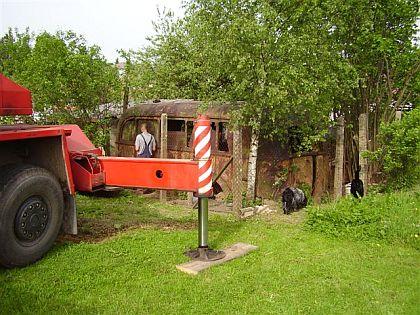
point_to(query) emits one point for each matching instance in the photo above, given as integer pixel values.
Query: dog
(293, 199)
(356, 187)
(217, 189)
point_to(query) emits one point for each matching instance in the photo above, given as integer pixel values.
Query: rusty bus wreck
(278, 166)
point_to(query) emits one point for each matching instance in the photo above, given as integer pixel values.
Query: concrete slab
(232, 252)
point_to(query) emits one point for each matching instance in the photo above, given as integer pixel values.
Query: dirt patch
(294, 217)
(96, 230)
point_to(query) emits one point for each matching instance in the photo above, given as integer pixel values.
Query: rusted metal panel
(322, 184)
(178, 108)
(126, 150)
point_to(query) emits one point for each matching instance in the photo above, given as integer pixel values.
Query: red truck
(42, 167)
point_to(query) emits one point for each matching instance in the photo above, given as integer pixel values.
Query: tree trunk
(363, 134)
(252, 163)
(339, 159)
(126, 93)
(237, 171)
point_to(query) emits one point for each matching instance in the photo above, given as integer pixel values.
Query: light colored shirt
(140, 145)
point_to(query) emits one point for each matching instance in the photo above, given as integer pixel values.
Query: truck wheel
(31, 213)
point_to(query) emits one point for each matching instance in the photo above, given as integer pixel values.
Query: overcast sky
(111, 24)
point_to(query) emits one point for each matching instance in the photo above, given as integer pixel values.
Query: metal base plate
(205, 254)
(237, 250)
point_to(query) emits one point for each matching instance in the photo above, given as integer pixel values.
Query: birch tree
(291, 62)
(276, 57)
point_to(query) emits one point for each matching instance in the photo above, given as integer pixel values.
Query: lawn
(295, 270)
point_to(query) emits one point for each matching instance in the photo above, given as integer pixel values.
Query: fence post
(237, 171)
(339, 159)
(163, 147)
(363, 132)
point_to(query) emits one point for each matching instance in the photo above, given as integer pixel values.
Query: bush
(98, 132)
(391, 217)
(307, 190)
(399, 154)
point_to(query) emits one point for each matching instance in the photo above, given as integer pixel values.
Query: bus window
(176, 134)
(223, 144)
(129, 130)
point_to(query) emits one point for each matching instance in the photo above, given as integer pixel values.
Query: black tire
(31, 213)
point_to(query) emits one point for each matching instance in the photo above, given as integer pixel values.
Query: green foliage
(380, 41)
(182, 195)
(281, 177)
(246, 202)
(69, 80)
(258, 201)
(7, 120)
(392, 217)
(399, 151)
(98, 132)
(292, 62)
(278, 59)
(307, 190)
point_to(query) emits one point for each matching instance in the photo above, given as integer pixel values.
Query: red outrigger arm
(92, 171)
(150, 173)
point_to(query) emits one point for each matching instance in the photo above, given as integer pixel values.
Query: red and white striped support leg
(202, 152)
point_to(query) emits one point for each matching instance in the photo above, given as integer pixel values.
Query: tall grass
(392, 217)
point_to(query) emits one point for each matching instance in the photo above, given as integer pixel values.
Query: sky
(111, 24)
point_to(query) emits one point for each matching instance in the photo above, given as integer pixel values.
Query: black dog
(293, 199)
(217, 189)
(356, 187)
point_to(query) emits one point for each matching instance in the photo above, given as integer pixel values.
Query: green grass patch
(130, 208)
(293, 271)
(392, 217)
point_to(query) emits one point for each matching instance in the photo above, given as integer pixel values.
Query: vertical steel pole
(203, 222)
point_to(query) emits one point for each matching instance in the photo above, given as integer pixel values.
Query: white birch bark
(252, 163)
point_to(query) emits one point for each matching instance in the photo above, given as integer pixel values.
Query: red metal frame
(22, 132)
(86, 168)
(8, 134)
(14, 99)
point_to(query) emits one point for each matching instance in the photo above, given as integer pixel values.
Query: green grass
(294, 270)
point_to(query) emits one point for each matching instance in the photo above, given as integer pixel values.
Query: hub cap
(31, 220)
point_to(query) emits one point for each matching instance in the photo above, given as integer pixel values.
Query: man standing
(145, 143)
